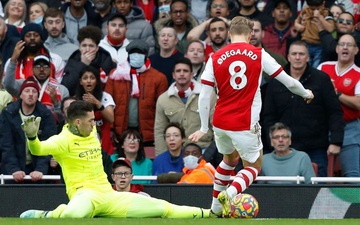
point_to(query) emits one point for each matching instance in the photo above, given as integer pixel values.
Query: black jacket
(13, 140)
(314, 125)
(74, 67)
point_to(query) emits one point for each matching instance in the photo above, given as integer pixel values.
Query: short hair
(78, 109)
(195, 145)
(183, 1)
(54, 12)
(178, 126)
(298, 43)
(194, 41)
(214, 20)
(92, 32)
(64, 100)
(183, 60)
(279, 126)
(241, 26)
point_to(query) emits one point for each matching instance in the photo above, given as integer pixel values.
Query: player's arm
(273, 68)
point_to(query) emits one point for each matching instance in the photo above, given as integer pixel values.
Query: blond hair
(241, 26)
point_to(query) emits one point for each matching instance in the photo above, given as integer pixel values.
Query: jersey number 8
(238, 75)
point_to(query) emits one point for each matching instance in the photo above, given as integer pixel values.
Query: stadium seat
(334, 168)
(315, 166)
(150, 152)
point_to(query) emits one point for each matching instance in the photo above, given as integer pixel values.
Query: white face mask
(191, 162)
(164, 8)
(38, 20)
(136, 60)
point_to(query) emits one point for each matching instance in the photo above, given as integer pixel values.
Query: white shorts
(247, 143)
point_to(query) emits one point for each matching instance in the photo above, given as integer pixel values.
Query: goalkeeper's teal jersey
(80, 159)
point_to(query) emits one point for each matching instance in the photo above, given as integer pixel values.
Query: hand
(19, 47)
(53, 163)
(195, 137)
(88, 57)
(51, 90)
(31, 126)
(308, 100)
(36, 175)
(333, 149)
(19, 176)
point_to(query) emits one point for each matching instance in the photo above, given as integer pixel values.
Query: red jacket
(152, 84)
(272, 42)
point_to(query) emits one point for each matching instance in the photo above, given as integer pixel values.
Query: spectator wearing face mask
(196, 170)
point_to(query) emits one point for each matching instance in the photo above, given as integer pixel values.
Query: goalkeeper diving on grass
(78, 151)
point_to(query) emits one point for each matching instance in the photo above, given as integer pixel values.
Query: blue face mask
(38, 20)
(136, 60)
(191, 162)
(164, 8)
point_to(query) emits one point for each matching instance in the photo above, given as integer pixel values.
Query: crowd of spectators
(139, 62)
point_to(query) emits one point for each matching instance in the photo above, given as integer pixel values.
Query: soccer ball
(244, 206)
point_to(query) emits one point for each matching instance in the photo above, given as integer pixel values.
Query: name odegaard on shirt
(230, 53)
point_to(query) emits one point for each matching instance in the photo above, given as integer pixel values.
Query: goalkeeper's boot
(214, 215)
(34, 214)
(224, 200)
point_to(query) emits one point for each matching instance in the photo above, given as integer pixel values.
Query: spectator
(137, 27)
(37, 12)
(285, 161)
(57, 41)
(180, 105)
(248, 8)
(115, 41)
(105, 9)
(276, 35)
(31, 45)
(305, 24)
(149, 8)
(89, 89)
(163, 7)
(5, 97)
(135, 87)
(9, 36)
(336, 10)
(344, 25)
(164, 60)
(89, 53)
(196, 53)
(217, 8)
(217, 32)
(51, 92)
(180, 20)
(65, 103)
(324, 112)
(16, 158)
(131, 147)
(172, 159)
(196, 170)
(78, 14)
(15, 13)
(345, 76)
(122, 175)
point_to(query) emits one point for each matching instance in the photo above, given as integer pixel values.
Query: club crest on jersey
(347, 82)
(230, 53)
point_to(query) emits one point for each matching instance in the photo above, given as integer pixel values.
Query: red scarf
(135, 90)
(185, 94)
(44, 96)
(115, 42)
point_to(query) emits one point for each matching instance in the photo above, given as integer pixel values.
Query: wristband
(31, 138)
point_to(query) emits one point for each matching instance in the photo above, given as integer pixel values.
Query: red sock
(243, 179)
(222, 178)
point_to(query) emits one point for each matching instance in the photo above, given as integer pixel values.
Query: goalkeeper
(78, 151)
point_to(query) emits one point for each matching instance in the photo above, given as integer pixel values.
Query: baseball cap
(121, 162)
(277, 2)
(30, 82)
(314, 2)
(139, 45)
(41, 58)
(117, 15)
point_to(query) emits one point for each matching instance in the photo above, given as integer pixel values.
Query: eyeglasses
(342, 44)
(341, 20)
(277, 137)
(178, 11)
(215, 6)
(121, 174)
(167, 136)
(38, 66)
(129, 140)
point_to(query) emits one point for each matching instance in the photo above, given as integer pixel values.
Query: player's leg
(249, 146)
(225, 168)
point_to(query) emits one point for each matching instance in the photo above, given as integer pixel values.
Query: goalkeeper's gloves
(31, 126)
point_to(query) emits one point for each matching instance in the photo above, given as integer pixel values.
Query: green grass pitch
(158, 221)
